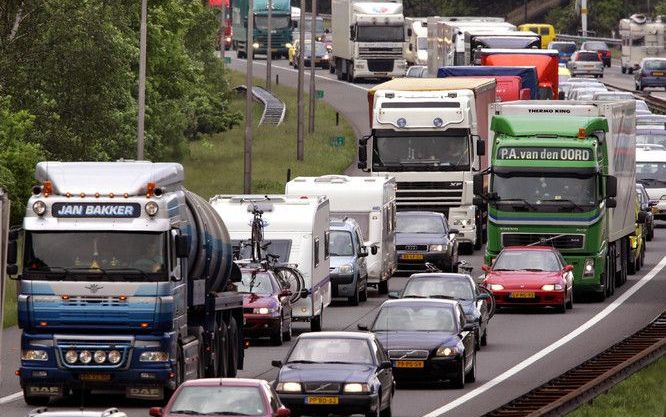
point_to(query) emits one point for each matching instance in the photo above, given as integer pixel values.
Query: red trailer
(545, 61)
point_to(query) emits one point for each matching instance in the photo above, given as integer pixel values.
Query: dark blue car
(427, 339)
(336, 373)
(652, 73)
(424, 237)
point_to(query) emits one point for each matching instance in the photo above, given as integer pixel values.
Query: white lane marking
(316, 75)
(549, 349)
(13, 397)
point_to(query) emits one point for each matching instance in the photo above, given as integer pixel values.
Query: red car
(217, 397)
(530, 275)
(266, 305)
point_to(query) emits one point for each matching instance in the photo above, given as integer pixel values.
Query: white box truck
(368, 39)
(298, 231)
(371, 202)
(416, 44)
(429, 134)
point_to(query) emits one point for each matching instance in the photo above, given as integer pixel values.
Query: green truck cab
(280, 27)
(563, 175)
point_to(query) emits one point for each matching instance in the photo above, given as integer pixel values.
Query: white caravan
(416, 36)
(298, 229)
(641, 38)
(371, 202)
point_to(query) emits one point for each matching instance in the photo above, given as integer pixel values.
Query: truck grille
(429, 196)
(64, 346)
(408, 354)
(380, 65)
(367, 52)
(548, 239)
(322, 387)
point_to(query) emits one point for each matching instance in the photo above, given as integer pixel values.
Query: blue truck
(281, 27)
(528, 75)
(125, 283)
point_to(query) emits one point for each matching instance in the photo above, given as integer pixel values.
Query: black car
(424, 237)
(646, 207)
(427, 339)
(459, 287)
(336, 372)
(652, 73)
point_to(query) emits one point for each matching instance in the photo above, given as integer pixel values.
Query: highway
(525, 348)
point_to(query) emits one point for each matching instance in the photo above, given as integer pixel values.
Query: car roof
(420, 301)
(348, 224)
(336, 334)
(229, 382)
(419, 213)
(652, 59)
(438, 275)
(529, 248)
(650, 156)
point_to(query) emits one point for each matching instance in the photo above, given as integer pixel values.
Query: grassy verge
(643, 394)
(215, 165)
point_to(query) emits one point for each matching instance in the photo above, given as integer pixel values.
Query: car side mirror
(653, 203)
(374, 249)
(394, 294)
(363, 252)
(568, 268)
(362, 327)
(283, 412)
(276, 364)
(483, 296)
(642, 217)
(182, 248)
(304, 293)
(155, 411)
(611, 202)
(611, 186)
(385, 365)
(485, 268)
(453, 232)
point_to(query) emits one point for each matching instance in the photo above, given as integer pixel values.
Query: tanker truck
(125, 283)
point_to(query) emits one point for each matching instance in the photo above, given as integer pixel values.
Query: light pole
(269, 45)
(301, 105)
(583, 16)
(311, 108)
(247, 151)
(140, 131)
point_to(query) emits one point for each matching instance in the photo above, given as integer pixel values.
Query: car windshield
(256, 283)
(415, 318)
(421, 153)
(218, 400)
(118, 256)
(558, 194)
(331, 350)
(380, 33)
(422, 44)
(596, 46)
(277, 22)
(588, 56)
(320, 49)
(341, 243)
(460, 288)
(408, 223)
(655, 65)
(566, 47)
(541, 260)
(651, 171)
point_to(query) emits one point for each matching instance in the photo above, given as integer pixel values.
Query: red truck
(545, 61)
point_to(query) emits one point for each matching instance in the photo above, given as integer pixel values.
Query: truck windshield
(277, 22)
(421, 153)
(547, 193)
(380, 33)
(118, 256)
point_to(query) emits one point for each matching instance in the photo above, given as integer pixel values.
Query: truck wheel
(234, 347)
(630, 70)
(350, 73)
(383, 287)
(315, 323)
(479, 237)
(222, 349)
(35, 400)
(650, 234)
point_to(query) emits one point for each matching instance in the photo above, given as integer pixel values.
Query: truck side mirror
(480, 146)
(611, 186)
(477, 185)
(352, 33)
(182, 249)
(410, 47)
(611, 202)
(12, 250)
(373, 249)
(363, 153)
(642, 217)
(409, 33)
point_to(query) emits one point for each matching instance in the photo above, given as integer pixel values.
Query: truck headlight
(255, 45)
(445, 351)
(85, 356)
(39, 207)
(263, 310)
(152, 208)
(355, 388)
(99, 356)
(154, 357)
(346, 269)
(437, 248)
(460, 222)
(588, 267)
(114, 357)
(496, 287)
(288, 387)
(71, 356)
(34, 355)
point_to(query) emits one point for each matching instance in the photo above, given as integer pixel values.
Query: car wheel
(277, 336)
(632, 265)
(484, 338)
(471, 375)
(364, 294)
(477, 339)
(623, 70)
(315, 323)
(287, 333)
(378, 410)
(562, 308)
(383, 287)
(354, 299)
(570, 302)
(650, 234)
(459, 380)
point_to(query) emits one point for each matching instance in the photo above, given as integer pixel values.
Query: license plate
(412, 257)
(409, 364)
(657, 73)
(522, 294)
(95, 377)
(322, 400)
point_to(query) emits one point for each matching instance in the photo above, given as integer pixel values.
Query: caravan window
(316, 252)
(327, 245)
(279, 247)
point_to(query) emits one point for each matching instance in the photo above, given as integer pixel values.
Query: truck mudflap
(145, 392)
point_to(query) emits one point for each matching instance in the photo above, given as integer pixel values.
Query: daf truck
(281, 27)
(430, 135)
(368, 39)
(123, 283)
(563, 174)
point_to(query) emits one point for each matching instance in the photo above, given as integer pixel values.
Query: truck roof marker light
(122, 298)
(43, 323)
(111, 195)
(126, 195)
(143, 325)
(582, 133)
(82, 195)
(96, 195)
(47, 188)
(68, 195)
(65, 297)
(150, 189)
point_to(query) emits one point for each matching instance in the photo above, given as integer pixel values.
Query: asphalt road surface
(525, 348)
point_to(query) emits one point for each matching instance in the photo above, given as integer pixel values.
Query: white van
(651, 172)
(298, 231)
(371, 202)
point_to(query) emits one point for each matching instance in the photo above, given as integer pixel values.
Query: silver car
(586, 63)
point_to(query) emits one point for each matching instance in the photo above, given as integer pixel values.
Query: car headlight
(154, 357)
(552, 287)
(71, 356)
(496, 287)
(325, 56)
(114, 356)
(34, 355)
(255, 45)
(355, 388)
(346, 269)
(588, 267)
(288, 387)
(437, 248)
(460, 222)
(263, 310)
(446, 351)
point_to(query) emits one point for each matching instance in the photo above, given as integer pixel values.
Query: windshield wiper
(532, 269)
(303, 361)
(226, 413)
(444, 297)
(565, 200)
(520, 200)
(190, 412)
(413, 296)
(140, 271)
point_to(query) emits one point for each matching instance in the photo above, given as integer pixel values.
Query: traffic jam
(131, 284)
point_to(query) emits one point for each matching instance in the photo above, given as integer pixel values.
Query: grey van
(349, 274)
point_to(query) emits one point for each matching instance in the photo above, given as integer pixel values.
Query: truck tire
(479, 237)
(222, 349)
(180, 372)
(234, 348)
(203, 368)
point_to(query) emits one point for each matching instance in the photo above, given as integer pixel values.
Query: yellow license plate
(322, 400)
(657, 73)
(522, 294)
(412, 257)
(95, 377)
(409, 364)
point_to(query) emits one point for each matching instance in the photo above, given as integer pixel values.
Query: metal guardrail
(580, 39)
(274, 108)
